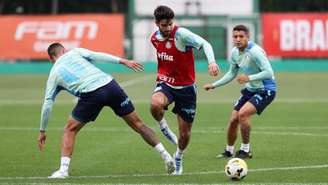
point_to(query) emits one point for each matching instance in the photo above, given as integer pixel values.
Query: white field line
(136, 81)
(279, 183)
(147, 101)
(269, 133)
(184, 174)
(204, 129)
(213, 131)
(277, 127)
(271, 183)
(232, 101)
(122, 84)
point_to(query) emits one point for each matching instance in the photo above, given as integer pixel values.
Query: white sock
(230, 148)
(179, 153)
(245, 147)
(64, 164)
(169, 134)
(160, 148)
(162, 123)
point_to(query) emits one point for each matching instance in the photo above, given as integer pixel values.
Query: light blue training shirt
(185, 39)
(74, 73)
(252, 62)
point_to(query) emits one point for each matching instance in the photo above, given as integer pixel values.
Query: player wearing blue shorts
(73, 72)
(259, 91)
(176, 78)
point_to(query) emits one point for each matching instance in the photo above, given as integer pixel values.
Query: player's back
(75, 73)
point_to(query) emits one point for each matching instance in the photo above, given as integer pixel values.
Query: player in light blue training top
(259, 91)
(73, 72)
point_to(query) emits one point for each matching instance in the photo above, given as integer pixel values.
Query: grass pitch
(289, 140)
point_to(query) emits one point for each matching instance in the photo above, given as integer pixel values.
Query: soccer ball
(236, 169)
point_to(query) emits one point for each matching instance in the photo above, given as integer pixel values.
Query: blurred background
(295, 30)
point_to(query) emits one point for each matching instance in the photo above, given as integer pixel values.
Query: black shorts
(184, 98)
(91, 103)
(260, 99)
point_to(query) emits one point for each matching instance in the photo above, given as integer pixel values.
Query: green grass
(291, 133)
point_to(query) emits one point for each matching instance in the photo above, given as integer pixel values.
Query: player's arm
(104, 57)
(228, 77)
(51, 91)
(194, 40)
(263, 63)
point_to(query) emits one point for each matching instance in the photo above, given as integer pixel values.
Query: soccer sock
(64, 164)
(160, 148)
(179, 153)
(168, 132)
(230, 148)
(245, 147)
(163, 123)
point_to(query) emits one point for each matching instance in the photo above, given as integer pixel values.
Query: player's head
(164, 20)
(240, 35)
(55, 50)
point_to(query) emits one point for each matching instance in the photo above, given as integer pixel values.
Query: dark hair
(241, 28)
(53, 49)
(163, 12)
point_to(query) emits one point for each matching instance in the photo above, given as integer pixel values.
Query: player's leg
(184, 138)
(70, 131)
(159, 102)
(185, 108)
(256, 104)
(157, 107)
(245, 126)
(231, 135)
(244, 119)
(233, 128)
(87, 109)
(234, 123)
(134, 121)
(184, 133)
(118, 100)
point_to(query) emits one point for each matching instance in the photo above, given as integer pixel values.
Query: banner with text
(295, 34)
(28, 37)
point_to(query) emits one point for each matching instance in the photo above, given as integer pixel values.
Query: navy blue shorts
(91, 103)
(185, 100)
(260, 99)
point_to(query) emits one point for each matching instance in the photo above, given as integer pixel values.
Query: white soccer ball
(236, 169)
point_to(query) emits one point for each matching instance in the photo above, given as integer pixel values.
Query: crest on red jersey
(168, 45)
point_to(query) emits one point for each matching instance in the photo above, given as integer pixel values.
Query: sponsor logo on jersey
(166, 78)
(164, 56)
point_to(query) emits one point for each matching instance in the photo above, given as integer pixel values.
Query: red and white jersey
(175, 67)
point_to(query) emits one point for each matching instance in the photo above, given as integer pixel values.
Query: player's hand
(208, 87)
(213, 69)
(42, 140)
(132, 64)
(242, 79)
